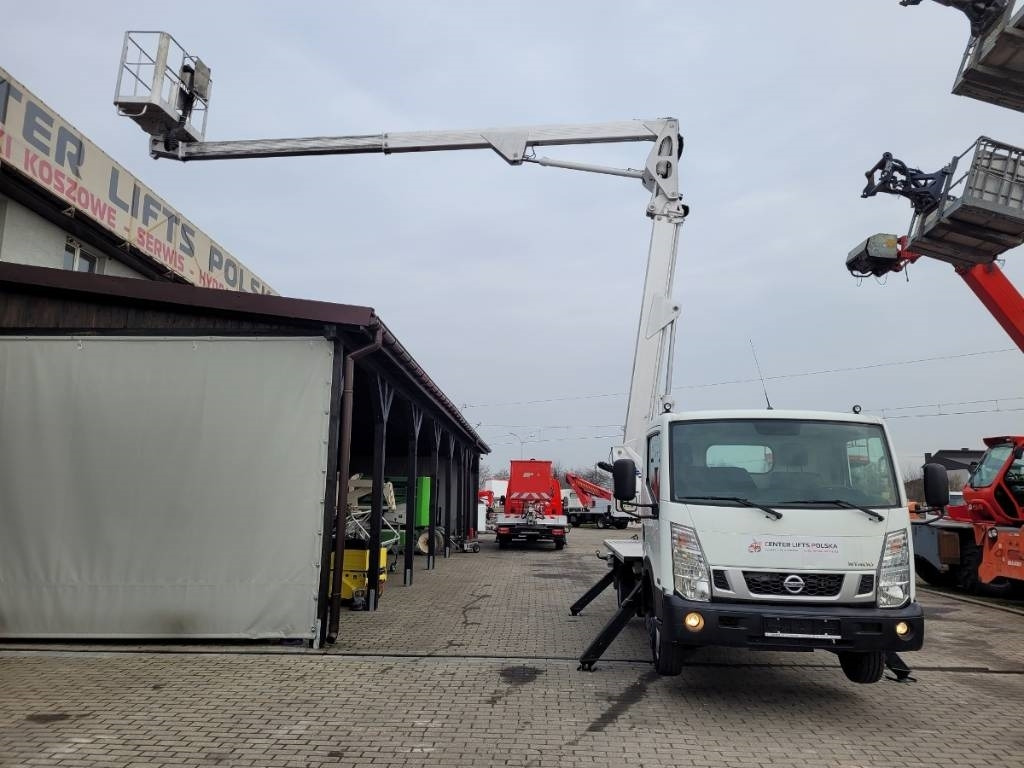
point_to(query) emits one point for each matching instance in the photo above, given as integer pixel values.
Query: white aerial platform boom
(166, 91)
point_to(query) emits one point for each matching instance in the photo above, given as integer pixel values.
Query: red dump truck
(533, 506)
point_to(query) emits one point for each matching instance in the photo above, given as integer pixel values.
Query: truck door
(652, 479)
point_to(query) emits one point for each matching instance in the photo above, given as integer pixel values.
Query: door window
(654, 465)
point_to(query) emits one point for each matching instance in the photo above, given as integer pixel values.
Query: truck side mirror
(936, 485)
(624, 479)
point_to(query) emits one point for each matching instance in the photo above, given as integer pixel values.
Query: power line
(563, 439)
(884, 412)
(995, 401)
(777, 377)
(956, 413)
(550, 426)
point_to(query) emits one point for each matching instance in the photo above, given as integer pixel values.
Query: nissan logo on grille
(793, 584)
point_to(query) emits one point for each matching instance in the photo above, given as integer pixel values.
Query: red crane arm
(990, 285)
(586, 489)
(999, 296)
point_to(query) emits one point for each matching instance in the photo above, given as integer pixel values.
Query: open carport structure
(171, 457)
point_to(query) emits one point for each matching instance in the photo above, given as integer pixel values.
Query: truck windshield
(988, 468)
(783, 462)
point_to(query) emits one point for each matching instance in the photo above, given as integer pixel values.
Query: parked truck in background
(573, 507)
(594, 504)
(533, 506)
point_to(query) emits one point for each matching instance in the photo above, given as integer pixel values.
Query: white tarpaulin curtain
(162, 488)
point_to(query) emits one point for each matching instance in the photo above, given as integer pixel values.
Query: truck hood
(812, 539)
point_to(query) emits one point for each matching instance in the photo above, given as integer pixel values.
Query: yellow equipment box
(353, 575)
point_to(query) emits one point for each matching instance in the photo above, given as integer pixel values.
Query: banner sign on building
(43, 147)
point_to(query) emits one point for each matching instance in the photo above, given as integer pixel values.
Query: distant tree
(501, 474)
(486, 473)
(913, 482)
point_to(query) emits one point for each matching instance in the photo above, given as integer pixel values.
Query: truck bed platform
(625, 550)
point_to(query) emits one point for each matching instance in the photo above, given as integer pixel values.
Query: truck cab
(980, 543)
(776, 530)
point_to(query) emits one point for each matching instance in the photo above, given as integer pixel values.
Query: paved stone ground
(474, 666)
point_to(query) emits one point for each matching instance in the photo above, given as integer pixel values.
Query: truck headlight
(894, 571)
(690, 572)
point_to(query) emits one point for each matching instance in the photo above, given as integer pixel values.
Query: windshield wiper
(738, 500)
(840, 503)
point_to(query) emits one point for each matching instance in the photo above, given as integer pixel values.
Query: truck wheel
(932, 575)
(621, 524)
(559, 544)
(862, 667)
(602, 522)
(668, 658)
(503, 542)
(573, 520)
(968, 579)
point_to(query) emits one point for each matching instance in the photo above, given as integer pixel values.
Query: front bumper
(793, 627)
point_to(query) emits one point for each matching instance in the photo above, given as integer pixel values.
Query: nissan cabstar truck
(770, 530)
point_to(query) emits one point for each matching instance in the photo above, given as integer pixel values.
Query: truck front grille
(721, 579)
(814, 584)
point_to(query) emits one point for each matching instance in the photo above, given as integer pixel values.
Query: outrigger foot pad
(900, 671)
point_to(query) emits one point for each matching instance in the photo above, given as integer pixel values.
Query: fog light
(693, 622)
(902, 628)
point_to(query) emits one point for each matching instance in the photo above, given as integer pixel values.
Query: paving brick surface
(473, 666)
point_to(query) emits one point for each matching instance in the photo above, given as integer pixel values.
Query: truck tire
(968, 580)
(503, 542)
(559, 544)
(668, 658)
(574, 520)
(621, 524)
(863, 667)
(932, 575)
(603, 522)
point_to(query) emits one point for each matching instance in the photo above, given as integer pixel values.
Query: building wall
(199, 516)
(26, 238)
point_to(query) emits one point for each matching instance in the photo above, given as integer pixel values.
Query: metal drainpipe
(344, 462)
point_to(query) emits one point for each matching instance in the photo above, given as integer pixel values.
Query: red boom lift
(968, 222)
(587, 492)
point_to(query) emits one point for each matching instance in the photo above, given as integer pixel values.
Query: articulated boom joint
(661, 172)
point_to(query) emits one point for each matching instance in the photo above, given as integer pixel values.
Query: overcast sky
(517, 285)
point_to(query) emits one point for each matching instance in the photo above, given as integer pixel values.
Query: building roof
(953, 459)
(230, 305)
